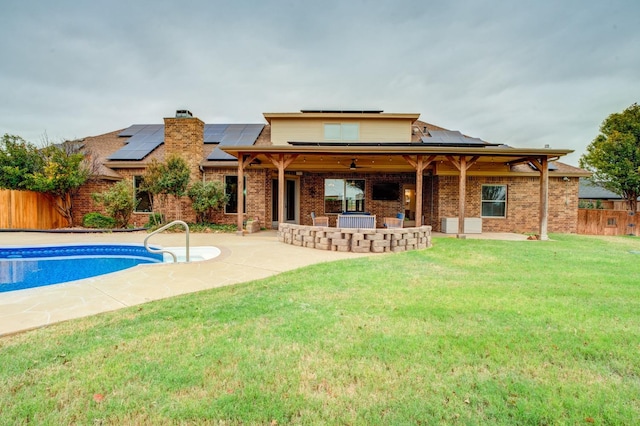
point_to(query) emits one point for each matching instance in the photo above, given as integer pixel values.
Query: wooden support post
(240, 196)
(281, 186)
(420, 164)
(544, 198)
(543, 167)
(462, 165)
(281, 162)
(462, 191)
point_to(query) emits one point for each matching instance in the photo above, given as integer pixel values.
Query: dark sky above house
(523, 73)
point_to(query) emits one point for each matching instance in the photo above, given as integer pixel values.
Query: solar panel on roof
(235, 135)
(136, 128)
(451, 138)
(213, 132)
(550, 166)
(143, 139)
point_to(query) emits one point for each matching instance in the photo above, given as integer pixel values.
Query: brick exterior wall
(83, 202)
(523, 195)
(312, 194)
(184, 136)
(258, 195)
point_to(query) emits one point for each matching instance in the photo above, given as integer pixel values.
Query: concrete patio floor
(242, 259)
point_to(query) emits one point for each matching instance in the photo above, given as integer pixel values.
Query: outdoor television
(386, 191)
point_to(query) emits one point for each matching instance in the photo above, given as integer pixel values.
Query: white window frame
(493, 201)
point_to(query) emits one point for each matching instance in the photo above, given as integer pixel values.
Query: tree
(118, 201)
(168, 178)
(63, 173)
(19, 160)
(55, 170)
(207, 198)
(614, 155)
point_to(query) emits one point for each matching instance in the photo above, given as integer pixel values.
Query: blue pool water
(26, 267)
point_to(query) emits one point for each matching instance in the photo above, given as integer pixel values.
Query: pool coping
(242, 259)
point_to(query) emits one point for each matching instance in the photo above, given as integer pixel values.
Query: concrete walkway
(242, 259)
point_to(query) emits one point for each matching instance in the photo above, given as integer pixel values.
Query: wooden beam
(248, 160)
(240, 207)
(281, 161)
(420, 164)
(544, 197)
(462, 191)
(419, 175)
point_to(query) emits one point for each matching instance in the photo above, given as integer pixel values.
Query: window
(342, 131)
(231, 191)
(611, 221)
(343, 195)
(494, 201)
(143, 198)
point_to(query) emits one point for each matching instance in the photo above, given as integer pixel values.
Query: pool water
(27, 267)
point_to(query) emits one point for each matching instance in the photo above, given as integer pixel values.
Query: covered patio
(374, 159)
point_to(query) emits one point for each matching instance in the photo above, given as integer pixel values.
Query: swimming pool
(27, 267)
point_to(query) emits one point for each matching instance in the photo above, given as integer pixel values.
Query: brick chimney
(184, 136)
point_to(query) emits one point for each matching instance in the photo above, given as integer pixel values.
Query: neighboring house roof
(593, 191)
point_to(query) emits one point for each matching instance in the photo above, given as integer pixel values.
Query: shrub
(155, 220)
(118, 201)
(98, 220)
(206, 197)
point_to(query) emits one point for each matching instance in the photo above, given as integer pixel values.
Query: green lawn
(467, 332)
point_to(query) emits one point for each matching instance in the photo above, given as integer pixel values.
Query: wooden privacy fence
(607, 222)
(28, 210)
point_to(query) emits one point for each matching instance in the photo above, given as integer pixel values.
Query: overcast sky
(523, 73)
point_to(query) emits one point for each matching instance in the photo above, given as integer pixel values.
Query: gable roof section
(145, 138)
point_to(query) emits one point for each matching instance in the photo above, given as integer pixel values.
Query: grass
(468, 332)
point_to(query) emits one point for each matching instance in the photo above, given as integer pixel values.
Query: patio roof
(383, 157)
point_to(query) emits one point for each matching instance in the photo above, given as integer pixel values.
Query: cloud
(524, 74)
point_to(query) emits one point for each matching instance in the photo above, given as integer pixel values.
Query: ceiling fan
(354, 166)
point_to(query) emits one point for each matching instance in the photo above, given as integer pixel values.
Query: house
(593, 195)
(368, 162)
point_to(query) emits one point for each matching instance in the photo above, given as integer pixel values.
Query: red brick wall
(312, 194)
(83, 202)
(184, 136)
(257, 190)
(523, 203)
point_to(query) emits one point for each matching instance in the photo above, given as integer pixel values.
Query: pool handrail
(169, 225)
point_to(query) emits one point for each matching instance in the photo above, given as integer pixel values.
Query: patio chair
(319, 220)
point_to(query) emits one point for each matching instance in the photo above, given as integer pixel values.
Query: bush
(155, 220)
(118, 201)
(98, 220)
(207, 198)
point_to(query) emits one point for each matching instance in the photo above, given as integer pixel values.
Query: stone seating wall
(357, 240)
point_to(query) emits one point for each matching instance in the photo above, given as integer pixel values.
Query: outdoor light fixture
(353, 165)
